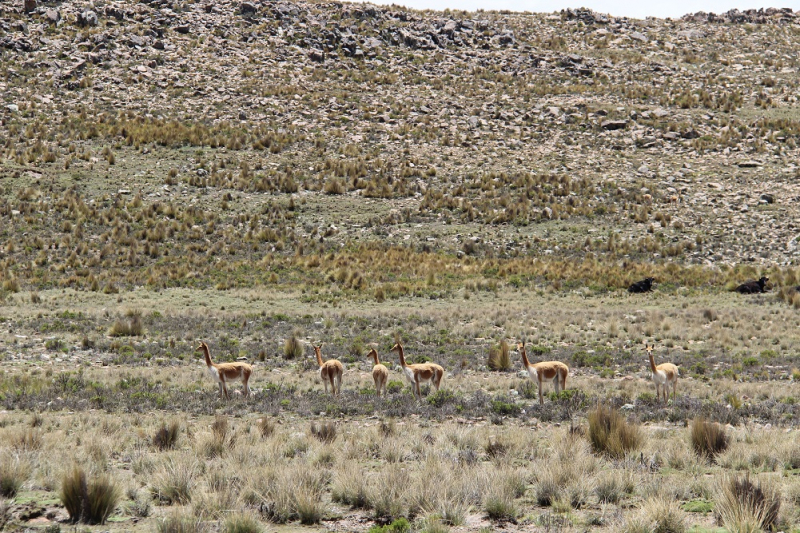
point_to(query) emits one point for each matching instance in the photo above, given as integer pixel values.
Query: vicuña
(224, 372)
(380, 374)
(663, 375)
(549, 370)
(330, 371)
(419, 373)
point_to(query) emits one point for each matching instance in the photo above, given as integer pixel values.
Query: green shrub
(395, 386)
(90, 502)
(708, 438)
(505, 407)
(500, 357)
(441, 397)
(401, 525)
(611, 434)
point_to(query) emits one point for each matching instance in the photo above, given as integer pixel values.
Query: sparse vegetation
(453, 179)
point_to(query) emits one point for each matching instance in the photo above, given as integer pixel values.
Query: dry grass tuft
(180, 523)
(13, 473)
(663, 516)
(167, 436)
(132, 327)
(500, 357)
(27, 441)
(293, 348)
(89, 502)
(266, 427)
(612, 435)
(242, 523)
(325, 432)
(708, 438)
(175, 482)
(387, 428)
(744, 506)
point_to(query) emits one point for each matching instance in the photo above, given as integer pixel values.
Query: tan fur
(380, 374)
(663, 375)
(554, 371)
(225, 372)
(330, 371)
(419, 373)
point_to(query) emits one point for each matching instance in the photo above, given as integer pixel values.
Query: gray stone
(614, 124)
(52, 16)
(87, 18)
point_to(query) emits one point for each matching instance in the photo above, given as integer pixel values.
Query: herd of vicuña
(332, 371)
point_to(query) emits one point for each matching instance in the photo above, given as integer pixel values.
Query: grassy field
(479, 454)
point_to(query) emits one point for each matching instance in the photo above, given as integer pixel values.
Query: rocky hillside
(572, 135)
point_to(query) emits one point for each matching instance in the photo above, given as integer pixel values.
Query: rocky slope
(651, 138)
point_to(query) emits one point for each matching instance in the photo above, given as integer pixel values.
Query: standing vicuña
(663, 375)
(549, 370)
(330, 371)
(224, 372)
(379, 372)
(419, 373)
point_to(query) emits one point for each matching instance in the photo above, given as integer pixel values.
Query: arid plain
(268, 176)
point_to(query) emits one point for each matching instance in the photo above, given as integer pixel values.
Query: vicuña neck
(208, 356)
(524, 357)
(374, 355)
(652, 362)
(402, 356)
(319, 357)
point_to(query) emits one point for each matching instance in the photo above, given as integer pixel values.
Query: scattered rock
(614, 124)
(52, 16)
(87, 18)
